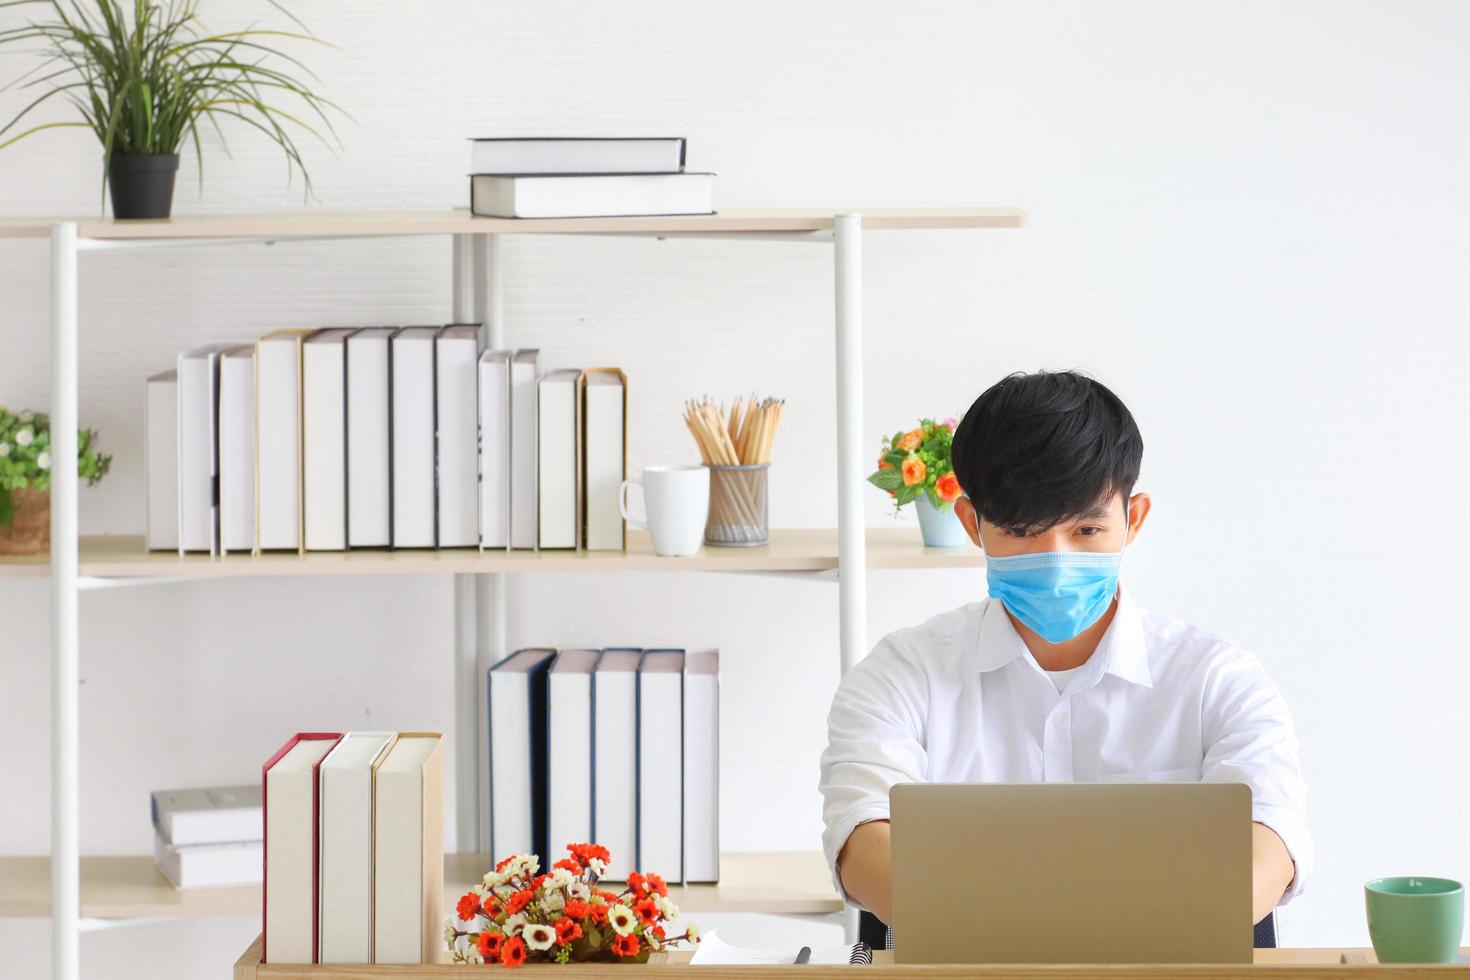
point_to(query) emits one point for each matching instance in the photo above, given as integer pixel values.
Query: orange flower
(513, 952)
(609, 896)
(658, 931)
(598, 913)
(947, 486)
(570, 864)
(518, 901)
(911, 440)
(647, 911)
(914, 471)
(636, 883)
(492, 907)
(656, 884)
(566, 931)
(576, 909)
(586, 852)
(626, 945)
(489, 944)
(468, 907)
(883, 463)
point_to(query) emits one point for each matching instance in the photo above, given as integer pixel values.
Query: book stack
(618, 746)
(412, 437)
(585, 178)
(205, 838)
(354, 848)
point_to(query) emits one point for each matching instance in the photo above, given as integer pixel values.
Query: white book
(198, 385)
(161, 448)
(345, 863)
(408, 851)
(456, 356)
(495, 449)
(615, 764)
(523, 374)
(216, 815)
(560, 155)
(369, 439)
(209, 865)
(324, 439)
(413, 437)
(702, 766)
(237, 449)
(591, 195)
(558, 459)
(290, 852)
(278, 523)
(517, 705)
(569, 747)
(661, 763)
(604, 456)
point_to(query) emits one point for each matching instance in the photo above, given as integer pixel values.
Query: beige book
(291, 849)
(278, 441)
(408, 851)
(345, 867)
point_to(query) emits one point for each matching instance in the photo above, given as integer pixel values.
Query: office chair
(878, 936)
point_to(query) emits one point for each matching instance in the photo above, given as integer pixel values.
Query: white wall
(1248, 219)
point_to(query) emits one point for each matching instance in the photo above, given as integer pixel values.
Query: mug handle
(623, 504)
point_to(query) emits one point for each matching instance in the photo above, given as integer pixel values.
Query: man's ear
(965, 511)
(1138, 508)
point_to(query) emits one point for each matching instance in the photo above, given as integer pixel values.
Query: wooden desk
(1270, 964)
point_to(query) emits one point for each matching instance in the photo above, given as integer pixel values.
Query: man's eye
(1017, 534)
(1090, 531)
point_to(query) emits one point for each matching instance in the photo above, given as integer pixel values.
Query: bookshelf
(78, 563)
(777, 883)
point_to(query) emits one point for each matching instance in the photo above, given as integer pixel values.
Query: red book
(289, 896)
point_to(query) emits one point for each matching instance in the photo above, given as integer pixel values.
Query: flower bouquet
(25, 478)
(561, 916)
(915, 467)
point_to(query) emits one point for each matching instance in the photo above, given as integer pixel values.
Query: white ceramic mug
(676, 502)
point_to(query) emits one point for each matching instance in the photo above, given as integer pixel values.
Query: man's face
(1105, 528)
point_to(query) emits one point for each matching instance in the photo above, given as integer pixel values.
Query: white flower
(492, 879)
(538, 936)
(449, 935)
(621, 918)
(554, 901)
(693, 931)
(513, 924)
(560, 878)
(24, 437)
(472, 955)
(666, 907)
(579, 889)
(4, 449)
(597, 866)
(44, 460)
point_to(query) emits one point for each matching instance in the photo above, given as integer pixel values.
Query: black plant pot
(142, 184)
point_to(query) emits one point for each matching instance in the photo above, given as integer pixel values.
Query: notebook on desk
(714, 951)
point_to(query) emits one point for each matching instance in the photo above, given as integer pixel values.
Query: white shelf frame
(480, 598)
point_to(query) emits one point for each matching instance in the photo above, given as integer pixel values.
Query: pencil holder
(738, 512)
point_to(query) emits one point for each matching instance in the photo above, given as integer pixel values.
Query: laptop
(1071, 873)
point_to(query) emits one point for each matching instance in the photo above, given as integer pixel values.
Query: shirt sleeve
(1249, 738)
(875, 739)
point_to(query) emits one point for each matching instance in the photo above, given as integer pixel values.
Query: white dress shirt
(960, 699)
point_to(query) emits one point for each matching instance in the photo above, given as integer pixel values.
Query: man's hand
(1271, 870)
(864, 867)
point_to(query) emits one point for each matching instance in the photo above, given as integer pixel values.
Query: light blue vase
(941, 528)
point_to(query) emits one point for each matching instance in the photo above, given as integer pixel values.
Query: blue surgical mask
(1056, 593)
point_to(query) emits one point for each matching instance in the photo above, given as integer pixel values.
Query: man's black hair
(1036, 450)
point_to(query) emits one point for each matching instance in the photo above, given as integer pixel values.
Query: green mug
(1413, 919)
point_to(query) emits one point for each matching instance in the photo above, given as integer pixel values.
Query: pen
(803, 954)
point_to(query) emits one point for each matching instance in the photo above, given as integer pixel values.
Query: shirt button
(1058, 720)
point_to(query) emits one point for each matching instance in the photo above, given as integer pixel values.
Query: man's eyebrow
(1097, 513)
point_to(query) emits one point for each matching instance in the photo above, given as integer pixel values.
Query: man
(1058, 676)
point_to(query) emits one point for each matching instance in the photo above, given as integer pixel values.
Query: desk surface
(1270, 964)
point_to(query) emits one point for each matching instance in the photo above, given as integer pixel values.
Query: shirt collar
(1122, 649)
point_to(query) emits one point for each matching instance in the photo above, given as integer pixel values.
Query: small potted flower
(519, 914)
(914, 467)
(25, 479)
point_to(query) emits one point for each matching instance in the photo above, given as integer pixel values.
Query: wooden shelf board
(794, 883)
(311, 223)
(123, 556)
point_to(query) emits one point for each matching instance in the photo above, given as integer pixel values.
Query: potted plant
(145, 82)
(25, 479)
(914, 467)
(563, 915)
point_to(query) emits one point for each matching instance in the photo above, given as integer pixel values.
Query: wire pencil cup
(739, 512)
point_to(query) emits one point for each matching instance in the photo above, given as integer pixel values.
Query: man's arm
(865, 868)
(1271, 870)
